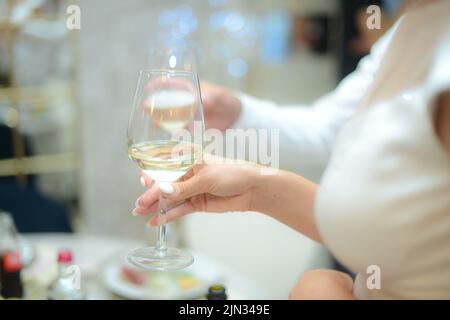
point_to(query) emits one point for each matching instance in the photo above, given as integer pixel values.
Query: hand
(221, 108)
(216, 185)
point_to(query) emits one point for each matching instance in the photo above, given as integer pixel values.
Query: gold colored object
(34, 96)
(38, 164)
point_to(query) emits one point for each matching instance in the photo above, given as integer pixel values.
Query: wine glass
(182, 58)
(165, 139)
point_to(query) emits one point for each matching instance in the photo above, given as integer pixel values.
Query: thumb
(183, 190)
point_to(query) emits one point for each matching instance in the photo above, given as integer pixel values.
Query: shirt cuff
(249, 112)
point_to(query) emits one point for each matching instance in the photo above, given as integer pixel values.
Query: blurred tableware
(135, 283)
(101, 259)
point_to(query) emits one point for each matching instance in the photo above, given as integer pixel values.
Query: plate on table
(131, 282)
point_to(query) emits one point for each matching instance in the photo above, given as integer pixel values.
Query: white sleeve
(307, 133)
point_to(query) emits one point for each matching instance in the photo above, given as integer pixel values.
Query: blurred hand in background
(220, 106)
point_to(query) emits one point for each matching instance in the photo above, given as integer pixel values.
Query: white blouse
(307, 134)
(384, 199)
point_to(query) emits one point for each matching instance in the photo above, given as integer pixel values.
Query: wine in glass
(164, 134)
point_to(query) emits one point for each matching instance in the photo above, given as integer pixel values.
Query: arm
(224, 186)
(288, 198)
(307, 133)
(323, 284)
(221, 185)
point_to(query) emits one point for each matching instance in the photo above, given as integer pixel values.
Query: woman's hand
(221, 107)
(216, 185)
(221, 185)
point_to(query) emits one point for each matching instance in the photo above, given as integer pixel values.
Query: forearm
(288, 198)
(306, 135)
(303, 142)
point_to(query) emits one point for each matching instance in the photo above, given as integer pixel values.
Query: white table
(90, 251)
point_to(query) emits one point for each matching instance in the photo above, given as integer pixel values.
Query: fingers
(174, 193)
(172, 214)
(143, 211)
(184, 189)
(149, 197)
(179, 211)
(145, 180)
(148, 202)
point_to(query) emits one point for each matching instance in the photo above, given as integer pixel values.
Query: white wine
(164, 160)
(171, 109)
(165, 139)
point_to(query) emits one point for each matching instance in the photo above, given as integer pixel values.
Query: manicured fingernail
(136, 204)
(165, 188)
(134, 212)
(142, 181)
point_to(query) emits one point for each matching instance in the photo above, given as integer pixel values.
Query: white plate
(203, 268)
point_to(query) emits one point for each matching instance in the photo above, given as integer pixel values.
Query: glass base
(153, 258)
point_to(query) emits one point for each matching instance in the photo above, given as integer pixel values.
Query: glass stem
(161, 244)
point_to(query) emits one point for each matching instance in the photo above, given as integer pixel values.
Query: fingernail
(166, 188)
(134, 212)
(142, 180)
(136, 204)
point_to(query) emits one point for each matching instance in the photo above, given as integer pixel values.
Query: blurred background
(65, 96)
